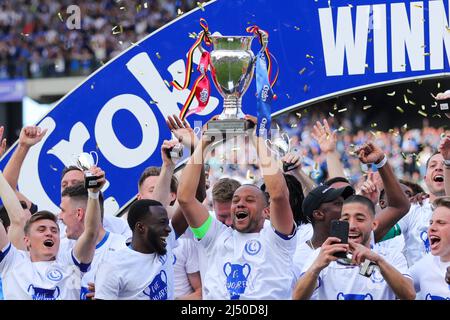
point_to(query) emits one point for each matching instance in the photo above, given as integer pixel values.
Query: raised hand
(324, 136)
(444, 147)
(290, 161)
(360, 253)
(369, 189)
(100, 174)
(31, 135)
(443, 96)
(370, 153)
(3, 141)
(165, 152)
(182, 131)
(327, 251)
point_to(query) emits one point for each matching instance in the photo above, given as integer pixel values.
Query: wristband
(93, 195)
(381, 163)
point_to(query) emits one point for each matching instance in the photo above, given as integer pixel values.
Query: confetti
(422, 113)
(294, 125)
(53, 168)
(122, 8)
(403, 155)
(373, 133)
(350, 5)
(411, 102)
(117, 32)
(305, 88)
(296, 28)
(309, 56)
(179, 12)
(249, 175)
(426, 54)
(405, 99)
(138, 8)
(335, 107)
(436, 115)
(367, 107)
(302, 71)
(167, 83)
(92, 86)
(60, 17)
(158, 55)
(341, 128)
(409, 91)
(193, 35)
(288, 96)
(400, 109)
(24, 34)
(200, 5)
(423, 107)
(373, 125)
(145, 5)
(342, 110)
(418, 6)
(331, 114)
(153, 102)
(419, 81)
(391, 94)
(299, 114)
(367, 66)
(365, 98)
(438, 85)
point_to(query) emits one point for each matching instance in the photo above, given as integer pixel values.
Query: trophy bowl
(232, 68)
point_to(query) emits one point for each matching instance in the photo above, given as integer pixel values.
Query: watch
(447, 163)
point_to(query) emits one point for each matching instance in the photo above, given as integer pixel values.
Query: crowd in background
(36, 40)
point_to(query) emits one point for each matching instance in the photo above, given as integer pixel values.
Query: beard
(155, 241)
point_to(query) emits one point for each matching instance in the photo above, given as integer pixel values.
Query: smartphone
(339, 229)
(443, 105)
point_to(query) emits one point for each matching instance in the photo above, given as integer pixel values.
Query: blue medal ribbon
(264, 96)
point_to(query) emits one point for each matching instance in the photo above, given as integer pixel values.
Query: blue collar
(103, 240)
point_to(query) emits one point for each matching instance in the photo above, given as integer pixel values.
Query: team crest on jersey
(54, 275)
(376, 276)
(353, 296)
(252, 247)
(157, 289)
(237, 276)
(162, 259)
(426, 241)
(43, 294)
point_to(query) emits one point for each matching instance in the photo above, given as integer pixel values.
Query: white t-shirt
(247, 265)
(304, 233)
(117, 225)
(396, 244)
(59, 279)
(429, 278)
(130, 275)
(186, 262)
(343, 282)
(301, 256)
(414, 227)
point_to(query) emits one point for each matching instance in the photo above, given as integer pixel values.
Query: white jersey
(304, 233)
(429, 278)
(414, 227)
(301, 256)
(130, 275)
(396, 244)
(247, 265)
(23, 279)
(186, 262)
(343, 282)
(117, 225)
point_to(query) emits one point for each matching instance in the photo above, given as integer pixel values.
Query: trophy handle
(92, 153)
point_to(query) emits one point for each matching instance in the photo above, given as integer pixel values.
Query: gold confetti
(418, 6)
(436, 115)
(438, 85)
(249, 175)
(403, 155)
(335, 107)
(153, 102)
(305, 88)
(373, 125)
(405, 99)
(158, 55)
(302, 71)
(294, 125)
(331, 114)
(411, 102)
(53, 168)
(365, 98)
(145, 5)
(179, 12)
(405, 126)
(409, 91)
(311, 62)
(60, 17)
(341, 128)
(299, 114)
(120, 30)
(92, 86)
(235, 149)
(309, 56)
(367, 107)
(138, 8)
(296, 28)
(122, 8)
(350, 5)
(288, 96)
(423, 107)
(391, 94)
(426, 54)
(24, 34)
(193, 35)
(422, 113)
(400, 109)
(367, 66)
(373, 133)
(419, 81)
(342, 110)
(120, 42)
(200, 5)
(167, 83)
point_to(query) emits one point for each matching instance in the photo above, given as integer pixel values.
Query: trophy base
(232, 127)
(90, 181)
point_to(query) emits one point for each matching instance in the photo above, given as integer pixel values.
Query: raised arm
(327, 142)
(16, 214)
(281, 215)
(162, 187)
(444, 149)
(29, 136)
(397, 202)
(85, 246)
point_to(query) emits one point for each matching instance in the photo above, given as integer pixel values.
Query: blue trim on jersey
(1, 290)
(286, 237)
(84, 267)
(4, 253)
(103, 240)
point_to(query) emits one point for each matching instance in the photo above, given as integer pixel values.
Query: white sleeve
(281, 242)
(192, 256)
(313, 256)
(9, 255)
(398, 261)
(107, 282)
(215, 230)
(406, 222)
(415, 273)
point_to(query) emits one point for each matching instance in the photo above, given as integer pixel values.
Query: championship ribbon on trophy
(232, 64)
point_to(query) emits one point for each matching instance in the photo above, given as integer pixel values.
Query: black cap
(323, 194)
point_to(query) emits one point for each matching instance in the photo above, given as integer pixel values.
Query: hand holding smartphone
(339, 229)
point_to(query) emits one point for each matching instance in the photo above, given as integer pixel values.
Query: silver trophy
(84, 162)
(232, 68)
(280, 145)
